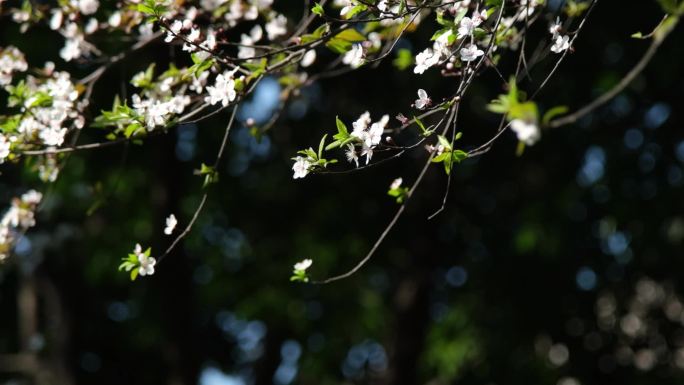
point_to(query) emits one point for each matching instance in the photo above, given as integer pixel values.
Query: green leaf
(575, 9)
(332, 145)
(299, 276)
(441, 157)
(131, 129)
(342, 42)
(355, 11)
(341, 128)
(339, 46)
(459, 155)
(210, 175)
(444, 142)
(448, 162)
(400, 193)
(146, 9)
(317, 10)
(419, 123)
(526, 111)
(520, 148)
(316, 34)
(321, 146)
(552, 113)
(439, 33)
(670, 6)
(134, 273)
(351, 35)
(423, 130)
(441, 20)
(403, 60)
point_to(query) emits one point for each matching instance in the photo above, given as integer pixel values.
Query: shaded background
(562, 266)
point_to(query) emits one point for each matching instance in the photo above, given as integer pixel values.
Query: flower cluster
(76, 21)
(19, 218)
(368, 135)
(462, 29)
(223, 91)
(47, 108)
(192, 37)
(139, 262)
(560, 42)
(159, 100)
(11, 60)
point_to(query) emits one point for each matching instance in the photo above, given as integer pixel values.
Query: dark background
(534, 273)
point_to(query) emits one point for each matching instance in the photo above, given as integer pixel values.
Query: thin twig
(619, 87)
(199, 208)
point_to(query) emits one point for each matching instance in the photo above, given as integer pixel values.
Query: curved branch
(619, 87)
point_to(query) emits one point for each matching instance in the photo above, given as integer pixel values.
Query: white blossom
(88, 7)
(194, 35)
(303, 265)
(171, 223)
(20, 215)
(276, 27)
(223, 90)
(11, 60)
(367, 151)
(470, 52)
(376, 130)
(178, 103)
(246, 49)
(198, 83)
(73, 49)
(369, 137)
(424, 60)
(346, 5)
(423, 100)
(301, 167)
(555, 28)
(114, 19)
(527, 132)
(560, 43)
(361, 123)
(375, 40)
(4, 148)
(174, 30)
(467, 26)
(52, 136)
(355, 57)
(92, 26)
(351, 154)
(56, 19)
(309, 58)
(146, 263)
(156, 114)
(396, 184)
